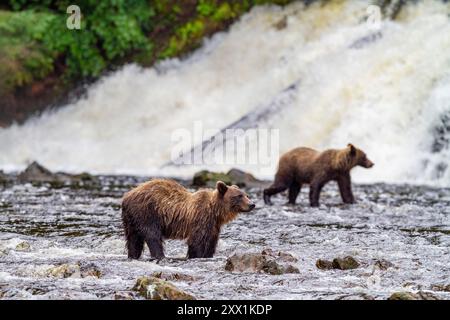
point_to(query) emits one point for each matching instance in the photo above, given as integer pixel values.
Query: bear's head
(234, 199)
(357, 157)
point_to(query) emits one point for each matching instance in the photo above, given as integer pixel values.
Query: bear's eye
(240, 196)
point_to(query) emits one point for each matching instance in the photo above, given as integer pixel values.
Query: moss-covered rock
(237, 177)
(157, 289)
(207, 178)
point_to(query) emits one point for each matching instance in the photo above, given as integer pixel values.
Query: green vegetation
(35, 42)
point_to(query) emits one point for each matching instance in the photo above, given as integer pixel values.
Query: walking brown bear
(308, 166)
(162, 209)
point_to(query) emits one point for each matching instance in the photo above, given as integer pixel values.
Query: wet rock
(64, 271)
(405, 295)
(90, 270)
(234, 176)
(247, 262)
(267, 261)
(173, 276)
(23, 246)
(38, 173)
(124, 295)
(244, 179)
(157, 289)
(441, 287)
(207, 178)
(346, 263)
(324, 264)
(383, 264)
(3, 177)
(281, 24)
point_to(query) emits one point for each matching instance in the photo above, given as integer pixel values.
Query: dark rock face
(267, 261)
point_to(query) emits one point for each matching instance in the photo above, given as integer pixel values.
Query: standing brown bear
(162, 209)
(305, 165)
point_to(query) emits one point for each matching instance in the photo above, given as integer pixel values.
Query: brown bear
(308, 166)
(163, 209)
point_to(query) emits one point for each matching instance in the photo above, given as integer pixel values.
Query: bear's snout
(252, 206)
(369, 164)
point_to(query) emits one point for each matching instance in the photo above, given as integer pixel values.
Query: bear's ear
(221, 187)
(352, 149)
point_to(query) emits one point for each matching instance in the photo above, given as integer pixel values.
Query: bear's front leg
(203, 243)
(314, 193)
(345, 188)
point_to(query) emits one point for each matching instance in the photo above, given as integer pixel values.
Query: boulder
(123, 295)
(90, 270)
(207, 178)
(346, 263)
(244, 179)
(38, 173)
(63, 271)
(405, 295)
(324, 264)
(152, 288)
(383, 264)
(23, 246)
(3, 177)
(173, 276)
(267, 261)
(238, 177)
(441, 287)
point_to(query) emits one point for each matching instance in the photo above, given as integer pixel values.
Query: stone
(63, 271)
(23, 246)
(346, 263)
(123, 295)
(152, 288)
(405, 295)
(383, 264)
(90, 270)
(173, 276)
(324, 264)
(207, 178)
(267, 261)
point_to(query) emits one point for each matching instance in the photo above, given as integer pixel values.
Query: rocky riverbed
(64, 241)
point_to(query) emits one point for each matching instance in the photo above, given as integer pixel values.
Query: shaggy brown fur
(163, 209)
(308, 166)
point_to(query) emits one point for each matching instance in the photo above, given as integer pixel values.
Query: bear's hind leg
(273, 189)
(294, 190)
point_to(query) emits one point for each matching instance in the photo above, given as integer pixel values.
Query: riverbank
(66, 242)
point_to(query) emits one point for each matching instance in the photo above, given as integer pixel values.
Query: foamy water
(386, 96)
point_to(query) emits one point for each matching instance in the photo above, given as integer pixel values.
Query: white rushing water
(386, 96)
